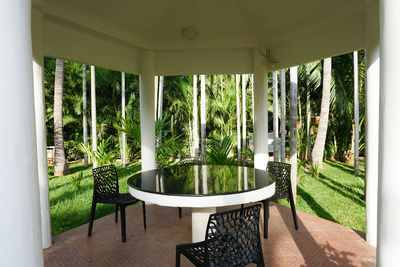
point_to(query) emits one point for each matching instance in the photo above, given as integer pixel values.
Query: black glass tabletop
(200, 180)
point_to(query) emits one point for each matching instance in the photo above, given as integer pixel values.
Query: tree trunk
(123, 136)
(275, 114)
(356, 115)
(308, 110)
(195, 119)
(293, 129)
(155, 97)
(203, 115)
(84, 109)
(244, 112)
(160, 106)
(60, 163)
(252, 95)
(93, 105)
(238, 117)
(283, 116)
(318, 150)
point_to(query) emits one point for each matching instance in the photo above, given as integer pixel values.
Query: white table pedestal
(199, 222)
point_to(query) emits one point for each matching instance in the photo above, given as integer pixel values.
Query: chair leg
(266, 217)
(144, 214)
(178, 258)
(116, 213)
(293, 207)
(180, 212)
(123, 227)
(91, 219)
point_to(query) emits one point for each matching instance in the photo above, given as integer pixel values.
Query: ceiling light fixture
(189, 33)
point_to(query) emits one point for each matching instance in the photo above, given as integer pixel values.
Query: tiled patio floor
(318, 242)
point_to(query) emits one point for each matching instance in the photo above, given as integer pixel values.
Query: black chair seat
(106, 191)
(280, 172)
(124, 199)
(232, 239)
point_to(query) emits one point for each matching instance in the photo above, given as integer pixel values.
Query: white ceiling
(157, 24)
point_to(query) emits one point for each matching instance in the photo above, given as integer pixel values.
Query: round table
(202, 188)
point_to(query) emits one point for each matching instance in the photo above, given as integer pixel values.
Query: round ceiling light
(190, 33)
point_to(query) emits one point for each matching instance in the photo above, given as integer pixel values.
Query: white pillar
(147, 126)
(123, 135)
(372, 121)
(275, 114)
(283, 116)
(260, 111)
(389, 131)
(40, 122)
(20, 231)
(93, 106)
(293, 129)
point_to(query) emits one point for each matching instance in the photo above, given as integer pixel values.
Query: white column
(123, 135)
(260, 112)
(41, 134)
(372, 121)
(275, 114)
(283, 116)
(389, 131)
(93, 106)
(293, 129)
(20, 230)
(147, 111)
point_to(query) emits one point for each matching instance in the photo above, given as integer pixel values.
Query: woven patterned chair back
(233, 237)
(196, 160)
(280, 172)
(105, 182)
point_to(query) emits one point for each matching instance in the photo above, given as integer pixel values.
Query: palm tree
(308, 110)
(318, 150)
(84, 113)
(356, 115)
(283, 116)
(203, 115)
(275, 114)
(93, 105)
(60, 163)
(155, 97)
(123, 136)
(293, 129)
(195, 119)
(238, 116)
(244, 111)
(160, 105)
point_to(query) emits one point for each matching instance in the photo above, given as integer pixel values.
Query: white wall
(73, 42)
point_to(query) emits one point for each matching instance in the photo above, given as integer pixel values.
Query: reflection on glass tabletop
(200, 180)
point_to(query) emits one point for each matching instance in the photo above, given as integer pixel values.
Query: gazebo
(188, 37)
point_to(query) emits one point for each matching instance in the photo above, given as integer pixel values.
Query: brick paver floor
(318, 242)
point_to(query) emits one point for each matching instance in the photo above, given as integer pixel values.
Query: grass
(70, 208)
(337, 195)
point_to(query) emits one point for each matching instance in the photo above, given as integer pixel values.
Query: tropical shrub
(104, 154)
(217, 153)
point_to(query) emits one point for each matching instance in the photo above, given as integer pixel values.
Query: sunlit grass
(70, 208)
(338, 195)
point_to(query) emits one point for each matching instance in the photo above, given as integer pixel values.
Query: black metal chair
(280, 172)
(106, 190)
(232, 239)
(189, 160)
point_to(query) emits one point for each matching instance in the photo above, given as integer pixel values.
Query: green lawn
(337, 196)
(70, 208)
